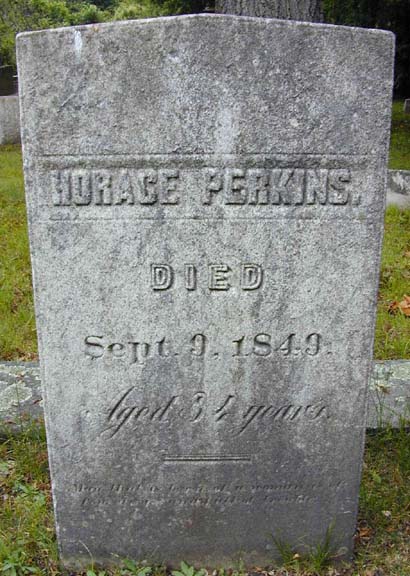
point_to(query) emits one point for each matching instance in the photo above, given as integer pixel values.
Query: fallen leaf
(402, 306)
(365, 532)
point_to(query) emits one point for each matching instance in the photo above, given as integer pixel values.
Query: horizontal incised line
(207, 458)
(322, 217)
(191, 161)
(205, 155)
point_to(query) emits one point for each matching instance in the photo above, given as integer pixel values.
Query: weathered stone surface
(20, 392)
(398, 188)
(407, 106)
(205, 197)
(9, 120)
(389, 397)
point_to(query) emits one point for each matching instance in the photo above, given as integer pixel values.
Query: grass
(400, 138)
(392, 338)
(17, 327)
(384, 522)
(28, 542)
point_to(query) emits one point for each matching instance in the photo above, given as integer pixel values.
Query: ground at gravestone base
(28, 543)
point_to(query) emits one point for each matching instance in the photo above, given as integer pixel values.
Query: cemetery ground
(27, 537)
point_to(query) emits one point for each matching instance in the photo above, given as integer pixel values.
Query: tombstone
(205, 198)
(7, 86)
(9, 120)
(398, 188)
(406, 107)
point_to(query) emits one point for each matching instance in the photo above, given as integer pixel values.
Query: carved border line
(208, 458)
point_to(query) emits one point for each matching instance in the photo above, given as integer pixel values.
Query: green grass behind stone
(400, 138)
(17, 326)
(392, 338)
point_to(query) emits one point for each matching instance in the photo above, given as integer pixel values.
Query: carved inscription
(278, 186)
(220, 277)
(144, 494)
(82, 187)
(129, 414)
(237, 186)
(262, 345)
